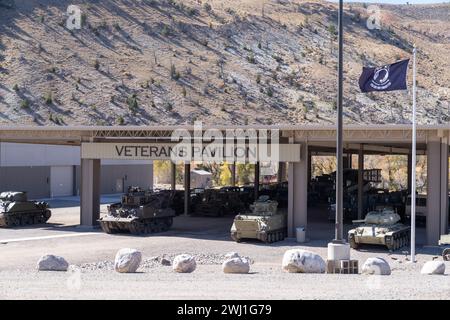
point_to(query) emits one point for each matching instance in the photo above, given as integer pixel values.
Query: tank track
(142, 226)
(400, 239)
(446, 254)
(269, 237)
(19, 219)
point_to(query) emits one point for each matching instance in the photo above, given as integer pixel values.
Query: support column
(444, 185)
(437, 189)
(360, 181)
(233, 174)
(187, 188)
(90, 192)
(298, 192)
(256, 183)
(173, 176)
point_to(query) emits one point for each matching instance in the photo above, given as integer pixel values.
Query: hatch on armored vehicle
(16, 210)
(380, 227)
(139, 212)
(264, 223)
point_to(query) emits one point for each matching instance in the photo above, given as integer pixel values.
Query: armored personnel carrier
(264, 223)
(16, 210)
(381, 227)
(140, 212)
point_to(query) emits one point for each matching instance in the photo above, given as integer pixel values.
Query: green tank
(16, 210)
(264, 223)
(380, 227)
(140, 212)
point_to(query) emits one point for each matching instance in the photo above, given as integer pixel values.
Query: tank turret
(381, 227)
(16, 210)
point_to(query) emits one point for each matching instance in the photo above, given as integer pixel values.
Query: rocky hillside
(156, 62)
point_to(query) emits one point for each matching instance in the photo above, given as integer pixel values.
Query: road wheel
(446, 254)
(352, 242)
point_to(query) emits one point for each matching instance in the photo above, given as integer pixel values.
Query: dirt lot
(90, 253)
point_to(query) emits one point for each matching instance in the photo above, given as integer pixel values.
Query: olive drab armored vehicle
(381, 227)
(140, 212)
(218, 202)
(445, 240)
(16, 210)
(264, 223)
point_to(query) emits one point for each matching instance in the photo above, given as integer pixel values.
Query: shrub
(269, 92)
(16, 87)
(258, 79)
(174, 74)
(207, 7)
(25, 104)
(132, 102)
(120, 120)
(251, 58)
(96, 64)
(48, 98)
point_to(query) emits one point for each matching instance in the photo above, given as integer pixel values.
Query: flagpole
(413, 167)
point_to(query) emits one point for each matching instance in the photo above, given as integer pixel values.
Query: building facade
(47, 171)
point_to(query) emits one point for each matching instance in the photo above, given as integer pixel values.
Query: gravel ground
(91, 275)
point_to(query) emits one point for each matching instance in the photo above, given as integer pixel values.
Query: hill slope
(154, 62)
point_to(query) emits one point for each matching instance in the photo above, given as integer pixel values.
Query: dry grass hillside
(156, 62)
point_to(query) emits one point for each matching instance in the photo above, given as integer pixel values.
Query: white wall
(27, 155)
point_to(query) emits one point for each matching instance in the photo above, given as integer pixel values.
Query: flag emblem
(386, 78)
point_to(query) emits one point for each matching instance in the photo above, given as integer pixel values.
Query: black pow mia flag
(390, 77)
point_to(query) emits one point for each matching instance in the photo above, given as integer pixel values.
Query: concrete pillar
(233, 174)
(437, 189)
(360, 181)
(187, 188)
(257, 180)
(298, 192)
(173, 175)
(444, 185)
(90, 192)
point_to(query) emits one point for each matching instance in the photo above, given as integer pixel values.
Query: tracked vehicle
(140, 212)
(264, 223)
(380, 227)
(16, 210)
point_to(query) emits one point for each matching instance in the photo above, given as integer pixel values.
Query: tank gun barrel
(358, 221)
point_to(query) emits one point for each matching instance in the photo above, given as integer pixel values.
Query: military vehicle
(381, 227)
(264, 223)
(445, 240)
(218, 202)
(140, 212)
(16, 210)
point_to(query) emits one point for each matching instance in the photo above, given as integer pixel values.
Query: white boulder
(127, 260)
(376, 266)
(303, 261)
(236, 265)
(184, 263)
(433, 267)
(51, 262)
(231, 255)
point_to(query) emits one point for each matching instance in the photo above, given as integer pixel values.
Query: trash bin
(301, 234)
